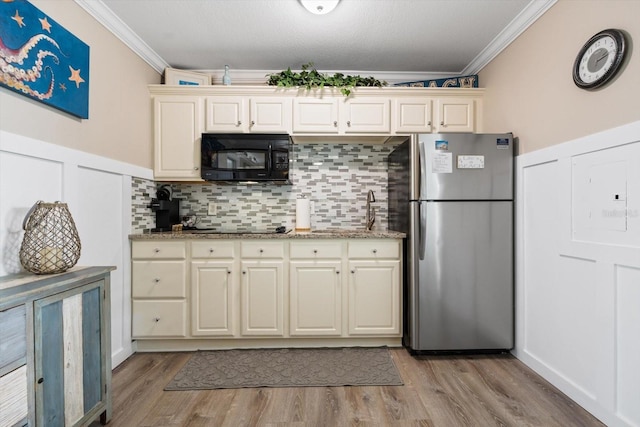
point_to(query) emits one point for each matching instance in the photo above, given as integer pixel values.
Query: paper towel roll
(303, 215)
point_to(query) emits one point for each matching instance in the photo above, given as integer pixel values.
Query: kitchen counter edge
(324, 234)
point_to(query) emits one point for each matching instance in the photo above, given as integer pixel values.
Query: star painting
(42, 60)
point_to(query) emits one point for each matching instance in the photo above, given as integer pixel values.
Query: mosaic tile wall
(335, 177)
(142, 190)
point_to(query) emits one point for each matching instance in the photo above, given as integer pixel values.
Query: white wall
(578, 270)
(98, 192)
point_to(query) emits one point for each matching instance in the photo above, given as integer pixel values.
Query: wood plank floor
(493, 390)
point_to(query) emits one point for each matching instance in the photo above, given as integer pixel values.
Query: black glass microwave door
(239, 160)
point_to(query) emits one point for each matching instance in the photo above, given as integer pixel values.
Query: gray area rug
(298, 367)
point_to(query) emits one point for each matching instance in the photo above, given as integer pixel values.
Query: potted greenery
(310, 78)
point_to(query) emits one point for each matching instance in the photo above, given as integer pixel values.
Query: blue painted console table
(55, 348)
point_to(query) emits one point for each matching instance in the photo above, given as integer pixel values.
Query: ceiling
(392, 39)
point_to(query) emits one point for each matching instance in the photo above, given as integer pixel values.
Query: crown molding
(520, 23)
(113, 23)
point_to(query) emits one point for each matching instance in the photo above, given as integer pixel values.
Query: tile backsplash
(335, 177)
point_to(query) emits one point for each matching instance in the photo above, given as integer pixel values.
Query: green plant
(310, 78)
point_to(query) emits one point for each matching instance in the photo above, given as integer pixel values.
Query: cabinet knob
(337, 271)
(261, 250)
(429, 123)
(315, 251)
(156, 319)
(40, 380)
(375, 251)
(156, 250)
(349, 123)
(156, 280)
(244, 272)
(335, 124)
(228, 271)
(442, 123)
(210, 250)
(239, 122)
(353, 271)
(253, 122)
(196, 168)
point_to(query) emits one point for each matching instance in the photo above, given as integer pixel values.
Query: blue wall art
(42, 60)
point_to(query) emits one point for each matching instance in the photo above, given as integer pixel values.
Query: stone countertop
(315, 234)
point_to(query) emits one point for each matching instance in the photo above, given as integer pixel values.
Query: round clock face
(599, 59)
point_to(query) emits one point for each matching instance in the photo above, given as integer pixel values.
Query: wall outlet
(212, 209)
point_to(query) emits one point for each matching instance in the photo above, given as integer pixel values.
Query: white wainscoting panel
(98, 192)
(578, 270)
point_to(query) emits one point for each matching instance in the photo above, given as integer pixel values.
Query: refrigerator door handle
(422, 230)
(423, 171)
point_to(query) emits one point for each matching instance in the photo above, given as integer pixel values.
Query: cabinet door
(455, 115)
(226, 114)
(374, 297)
(315, 297)
(178, 125)
(212, 298)
(368, 115)
(314, 115)
(70, 353)
(262, 298)
(412, 115)
(270, 115)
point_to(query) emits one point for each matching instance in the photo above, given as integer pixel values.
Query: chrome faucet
(371, 213)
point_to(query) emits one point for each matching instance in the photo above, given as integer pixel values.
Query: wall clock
(600, 59)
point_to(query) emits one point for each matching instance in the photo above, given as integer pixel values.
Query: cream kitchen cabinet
(242, 114)
(455, 115)
(342, 116)
(412, 115)
(262, 288)
(158, 289)
(178, 127)
(374, 288)
(316, 285)
(214, 288)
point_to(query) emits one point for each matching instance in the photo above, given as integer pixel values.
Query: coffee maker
(166, 208)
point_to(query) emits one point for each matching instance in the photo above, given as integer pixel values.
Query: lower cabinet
(262, 288)
(267, 289)
(63, 374)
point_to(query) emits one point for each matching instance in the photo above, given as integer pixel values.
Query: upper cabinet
(241, 114)
(369, 115)
(178, 127)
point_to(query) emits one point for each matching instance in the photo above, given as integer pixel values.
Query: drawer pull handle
(156, 280)
(156, 319)
(156, 250)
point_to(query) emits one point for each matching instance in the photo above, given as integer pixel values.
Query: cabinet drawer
(13, 336)
(153, 279)
(159, 250)
(262, 249)
(13, 404)
(159, 318)
(374, 249)
(213, 249)
(316, 249)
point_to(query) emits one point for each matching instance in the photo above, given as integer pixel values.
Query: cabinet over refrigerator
(452, 194)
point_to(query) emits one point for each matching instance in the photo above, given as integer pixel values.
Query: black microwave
(245, 157)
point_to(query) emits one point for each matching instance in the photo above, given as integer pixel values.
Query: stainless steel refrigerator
(453, 196)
